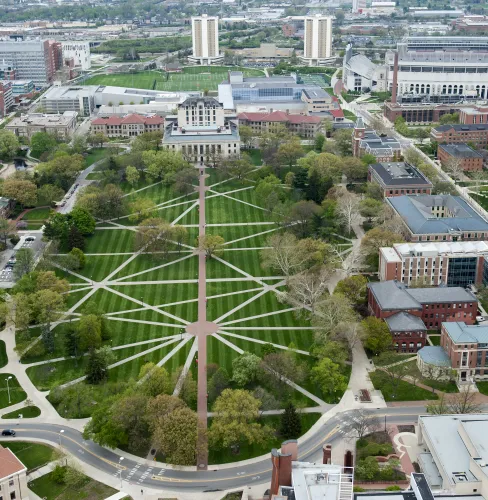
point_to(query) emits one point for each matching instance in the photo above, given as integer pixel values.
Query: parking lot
(28, 240)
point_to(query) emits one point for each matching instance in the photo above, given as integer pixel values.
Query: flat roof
(460, 150)
(400, 174)
(433, 248)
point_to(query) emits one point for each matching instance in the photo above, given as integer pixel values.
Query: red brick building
(410, 312)
(471, 116)
(469, 159)
(476, 134)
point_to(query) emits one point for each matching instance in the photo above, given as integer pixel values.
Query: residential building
(127, 126)
(476, 134)
(13, 479)
(27, 125)
(75, 98)
(435, 263)
(383, 148)
(6, 97)
(473, 115)
(205, 39)
(410, 312)
(453, 453)
(34, 60)
(360, 74)
(202, 129)
(79, 52)
(428, 217)
(317, 46)
(399, 178)
(468, 159)
(304, 126)
(291, 478)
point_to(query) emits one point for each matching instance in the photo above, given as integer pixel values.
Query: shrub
(14, 239)
(58, 474)
(393, 488)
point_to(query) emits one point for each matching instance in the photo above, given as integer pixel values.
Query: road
(107, 461)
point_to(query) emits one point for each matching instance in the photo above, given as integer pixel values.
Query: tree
(103, 203)
(422, 134)
(97, 139)
(395, 372)
(247, 135)
(90, 332)
(331, 349)
(368, 468)
(47, 307)
(23, 191)
(211, 244)
(348, 207)
(154, 380)
(376, 238)
(291, 424)
(7, 228)
(75, 238)
(307, 288)
(268, 400)
(454, 166)
(79, 258)
(354, 288)
(289, 152)
(236, 412)
(142, 208)
(98, 363)
(377, 124)
(465, 401)
(319, 142)
(24, 262)
(217, 383)
(245, 368)
(72, 341)
(83, 220)
(377, 335)
(48, 194)
(132, 175)
(78, 144)
(300, 216)
(370, 208)
(9, 144)
(330, 312)
(185, 180)
(238, 167)
(327, 375)
(343, 140)
(42, 142)
(153, 236)
(354, 169)
(358, 423)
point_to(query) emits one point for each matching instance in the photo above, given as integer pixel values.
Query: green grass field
(26, 412)
(17, 395)
(32, 455)
(404, 391)
(197, 78)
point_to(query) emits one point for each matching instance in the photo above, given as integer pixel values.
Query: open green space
(193, 78)
(37, 214)
(32, 455)
(399, 390)
(482, 387)
(17, 394)
(435, 339)
(97, 154)
(45, 487)
(26, 412)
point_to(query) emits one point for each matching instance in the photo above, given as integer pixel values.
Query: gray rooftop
(404, 322)
(400, 174)
(434, 355)
(316, 93)
(416, 212)
(462, 128)
(394, 296)
(460, 150)
(460, 332)
(374, 141)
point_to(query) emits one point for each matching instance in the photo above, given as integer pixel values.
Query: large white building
(205, 38)
(358, 6)
(201, 130)
(79, 51)
(317, 47)
(360, 74)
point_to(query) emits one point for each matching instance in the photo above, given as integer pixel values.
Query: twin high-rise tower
(205, 38)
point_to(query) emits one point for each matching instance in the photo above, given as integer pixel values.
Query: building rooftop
(437, 214)
(434, 355)
(207, 101)
(460, 332)
(71, 92)
(434, 248)
(404, 322)
(393, 295)
(461, 127)
(316, 93)
(279, 116)
(128, 119)
(460, 151)
(400, 174)
(9, 463)
(42, 120)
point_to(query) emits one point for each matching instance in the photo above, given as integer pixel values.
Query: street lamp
(60, 433)
(120, 471)
(8, 389)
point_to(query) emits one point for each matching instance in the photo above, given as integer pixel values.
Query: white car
(479, 319)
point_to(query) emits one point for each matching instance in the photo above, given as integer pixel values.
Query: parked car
(30, 238)
(8, 432)
(479, 319)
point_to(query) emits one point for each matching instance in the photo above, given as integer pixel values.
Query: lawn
(403, 392)
(17, 395)
(97, 154)
(482, 387)
(3, 354)
(46, 488)
(193, 78)
(37, 214)
(26, 412)
(435, 339)
(32, 455)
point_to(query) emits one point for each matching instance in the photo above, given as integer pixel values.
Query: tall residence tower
(205, 37)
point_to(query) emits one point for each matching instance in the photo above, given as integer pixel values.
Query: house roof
(434, 355)
(461, 127)
(460, 332)
(417, 213)
(133, 118)
(404, 322)
(400, 174)
(437, 295)
(9, 463)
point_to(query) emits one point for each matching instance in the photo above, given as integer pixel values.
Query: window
(12, 495)
(11, 482)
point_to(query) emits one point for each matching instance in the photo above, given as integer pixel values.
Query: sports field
(193, 78)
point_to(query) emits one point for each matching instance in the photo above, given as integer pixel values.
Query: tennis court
(322, 80)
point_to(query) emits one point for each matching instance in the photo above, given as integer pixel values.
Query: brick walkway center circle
(202, 328)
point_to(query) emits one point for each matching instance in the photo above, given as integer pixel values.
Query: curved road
(107, 461)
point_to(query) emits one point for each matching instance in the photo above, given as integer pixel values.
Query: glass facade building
(276, 93)
(462, 271)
